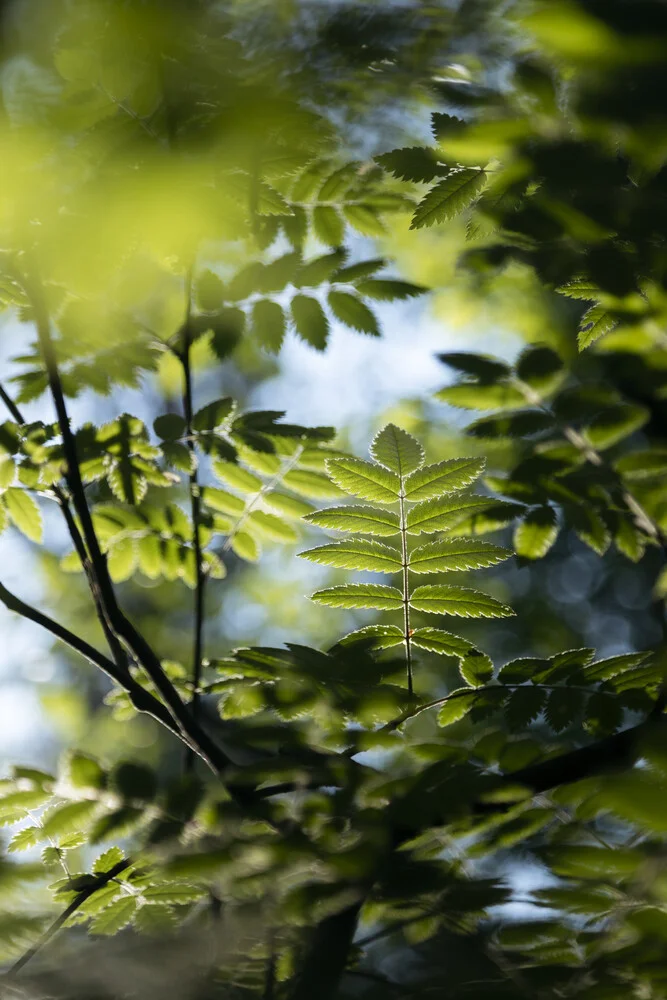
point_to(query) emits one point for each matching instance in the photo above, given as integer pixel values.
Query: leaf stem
(407, 632)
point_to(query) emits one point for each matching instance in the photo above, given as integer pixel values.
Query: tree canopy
(409, 784)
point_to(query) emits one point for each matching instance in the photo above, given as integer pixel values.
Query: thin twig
(142, 699)
(195, 507)
(62, 918)
(119, 624)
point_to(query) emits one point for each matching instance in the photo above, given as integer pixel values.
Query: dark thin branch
(62, 919)
(195, 507)
(62, 500)
(119, 624)
(142, 699)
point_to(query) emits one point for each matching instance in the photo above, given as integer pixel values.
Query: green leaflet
(459, 601)
(456, 707)
(115, 916)
(459, 554)
(382, 636)
(446, 477)
(441, 514)
(357, 519)
(438, 641)
(449, 197)
(361, 595)
(397, 450)
(24, 512)
(356, 554)
(354, 313)
(536, 533)
(365, 479)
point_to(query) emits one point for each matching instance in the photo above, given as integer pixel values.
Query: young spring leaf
(360, 595)
(310, 321)
(460, 601)
(356, 554)
(364, 479)
(397, 450)
(459, 554)
(362, 520)
(24, 513)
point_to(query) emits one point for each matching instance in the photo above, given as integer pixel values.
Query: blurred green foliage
(185, 187)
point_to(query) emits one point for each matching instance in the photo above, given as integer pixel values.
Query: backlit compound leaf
(24, 513)
(459, 554)
(397, 450)
(442, 514)
(379, 636)
(360, 595)
(363, 520)
(449, 197)
(459, 601)
(365, 480)
(356, 554)
(456, 707)
(310, 321)
(446, 477)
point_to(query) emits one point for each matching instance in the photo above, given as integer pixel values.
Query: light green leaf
(173, 892)
(436, 640)
(311, 484)
(459, 601)
(108, 860)
(122, 559)
(614, 424)
(24, 513)
(446, 477)
(270, 526)
(397, 450)
(595, 322)
(365, 480)
(476, 668)
(317, 271)
(328, 225)
(213, 415)
(536, 533)
(354, 313)
(220, 500)
(289, 506)
(364, 219)
(389, 290)
(449, 197)
(115, 916)
(245, 546)
(268, 325)
(30, 836)
(383, 636)
(357, 519)
(360, 595)
(481, 396)
(443, 514)
(356, 554)
(459, 554)
(68, 818)
(310, 321)
(456, 707)
(238, 478)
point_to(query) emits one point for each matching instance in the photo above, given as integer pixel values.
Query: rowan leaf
(459, 601)
(360, 595)
(365, 480)
(459, 554)
(356, 554)
(449, 197)
(397, 450)
(446, 477)
(363, 520)
(442, 514)
(536, 533)
(354, 313)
